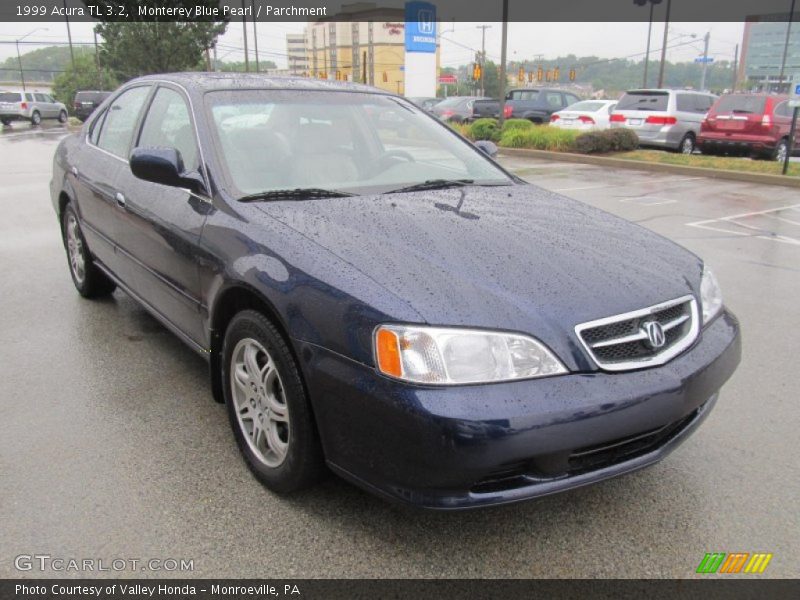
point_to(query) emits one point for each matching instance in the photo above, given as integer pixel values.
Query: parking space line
(648, 201)
(763, 233)
(624, 184)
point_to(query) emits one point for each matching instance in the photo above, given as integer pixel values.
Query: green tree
(156, 45)
(42, 64)
(83, 76)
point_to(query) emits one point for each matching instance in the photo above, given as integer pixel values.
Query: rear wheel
(687, 144)
(62, 116)
(781, 150)
(267, 405)
(36, 118)
(90, 281)
(5, 122)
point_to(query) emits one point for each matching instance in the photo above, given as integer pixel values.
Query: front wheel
(267, 405)
(62, 116)
(90, 281)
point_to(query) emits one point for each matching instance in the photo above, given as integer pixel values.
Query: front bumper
(469, 446)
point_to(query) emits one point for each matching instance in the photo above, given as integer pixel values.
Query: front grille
(620, 342)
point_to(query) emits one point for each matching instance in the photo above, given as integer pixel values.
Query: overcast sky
(460, 40)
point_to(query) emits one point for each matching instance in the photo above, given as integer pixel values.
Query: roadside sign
(703, 59)
(797, 90)
(448, 79)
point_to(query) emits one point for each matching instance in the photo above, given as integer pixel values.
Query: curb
(622, 163)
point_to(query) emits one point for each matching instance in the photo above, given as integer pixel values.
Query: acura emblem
(655, 334)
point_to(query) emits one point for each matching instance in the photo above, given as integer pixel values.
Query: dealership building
(366, 43)
(762, 54)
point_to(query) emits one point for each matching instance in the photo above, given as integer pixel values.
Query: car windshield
(271, 140)
(643, 101)
(741, 104)
(587, 106)
(9, 97)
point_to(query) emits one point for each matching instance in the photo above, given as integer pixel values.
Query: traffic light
(521, 74)
(476, 71)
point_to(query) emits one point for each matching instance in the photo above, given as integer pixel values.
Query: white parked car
(586, 115)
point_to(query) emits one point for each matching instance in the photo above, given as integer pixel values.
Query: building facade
(763, 55)
(367, 48)
(296, 53)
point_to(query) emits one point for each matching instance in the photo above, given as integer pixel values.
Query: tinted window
(168, 124)
(524, 94)
(685, 103)
(644, 101)
(10, 97)
(704, 103)
(741, 103)
(120, 119)
(40, 97)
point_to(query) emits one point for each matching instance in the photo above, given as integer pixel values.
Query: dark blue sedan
(374, 293)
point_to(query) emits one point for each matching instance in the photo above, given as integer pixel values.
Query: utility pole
(482, 61)
(647, 54)
(786, 47)
(21, 73)
(255, 34)
(735, 68)
(503, 44)
(664, 46)
(705, 61)
(215, 59)
(244, 32)
(69, 36)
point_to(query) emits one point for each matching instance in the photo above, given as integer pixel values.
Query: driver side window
(168, 124)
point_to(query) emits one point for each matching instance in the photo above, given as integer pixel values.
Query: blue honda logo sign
(420, 27)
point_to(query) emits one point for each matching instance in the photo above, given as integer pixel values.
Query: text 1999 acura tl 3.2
(375, 293)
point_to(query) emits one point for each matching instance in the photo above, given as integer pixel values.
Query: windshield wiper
(294, 194)
(433, 184)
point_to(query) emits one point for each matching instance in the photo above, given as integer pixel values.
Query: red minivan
(756, 124)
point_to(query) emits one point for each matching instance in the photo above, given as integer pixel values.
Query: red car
(756, 124)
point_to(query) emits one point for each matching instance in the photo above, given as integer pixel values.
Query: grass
(720, 163)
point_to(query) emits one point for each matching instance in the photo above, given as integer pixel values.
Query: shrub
(485, 129)
(609, 140)
(516, 124)
(539, 138)
(464, 129)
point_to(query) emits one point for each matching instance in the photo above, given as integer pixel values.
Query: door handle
(120, 198)
(75, 171)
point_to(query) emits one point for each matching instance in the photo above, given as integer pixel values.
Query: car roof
(205, 81)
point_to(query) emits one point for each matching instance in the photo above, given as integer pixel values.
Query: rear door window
(40, 97)
(553, 100)
(644, 100)
(685, 103)
(120, 121)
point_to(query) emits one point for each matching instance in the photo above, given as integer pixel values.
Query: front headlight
(710, 295)
(445, 356)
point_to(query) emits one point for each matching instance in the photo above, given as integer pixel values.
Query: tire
(36, 118)
(687, 145)
(63, 116)
(5, 122)
(90, 281)
(781, 150)
(270, 414)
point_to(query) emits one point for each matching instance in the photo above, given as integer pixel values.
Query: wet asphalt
(112, 447)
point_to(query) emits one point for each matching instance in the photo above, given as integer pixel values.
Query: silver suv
(30, 106)
(663, 118)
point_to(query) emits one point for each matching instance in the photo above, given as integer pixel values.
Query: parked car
(663, 118)
(425, 103)
(587, 115)
(534, 104)
(457, 109)
(402, 309)
(87, 101)
(30, 106)
(756, 124)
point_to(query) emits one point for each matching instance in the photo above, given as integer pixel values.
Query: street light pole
(244, 34)
(786, 47)
(19, 57)
(664, 46)
(503, 44)
(647, 54)
(705, 61)
(69, 36)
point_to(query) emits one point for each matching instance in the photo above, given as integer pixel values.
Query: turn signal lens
(446, 356)
(387, 347)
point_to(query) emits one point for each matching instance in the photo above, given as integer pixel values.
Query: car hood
(516, 258)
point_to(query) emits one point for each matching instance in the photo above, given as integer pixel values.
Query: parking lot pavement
(111, 446)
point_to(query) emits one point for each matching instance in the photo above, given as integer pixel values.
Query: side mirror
(489, 148)
(163, 165)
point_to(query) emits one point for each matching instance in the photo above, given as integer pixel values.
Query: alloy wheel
(77, 258)
(687, 146)
(780, 154)
(260, 402)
